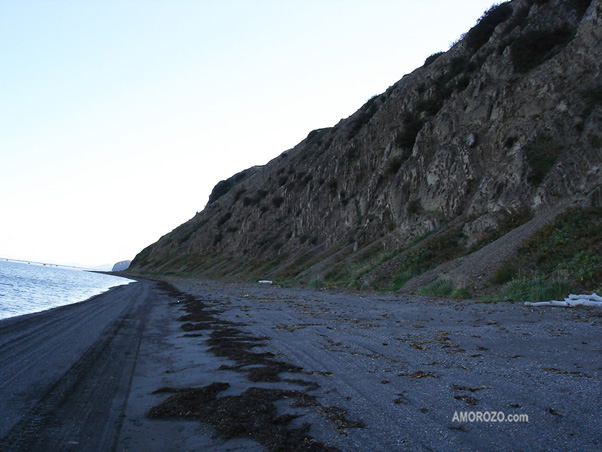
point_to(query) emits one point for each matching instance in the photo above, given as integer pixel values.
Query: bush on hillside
(536, 47)
(431, 59)
(541, 156)
(412, 125)
(580, 7)
(482, 31)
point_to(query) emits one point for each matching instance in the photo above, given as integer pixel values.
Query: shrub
(586, 267)
(315, 136)
(433, 104)
(519, 19)
(580, 7)
(224, 186)
(445, 84)
(220, 189)
(223, 219)
(534, 290)
(411, 127)
(399, 280)
(536, 47)
(505, 272)
(431, 59)
(332, 186)
(461, 293)
(458, 65)
(394, 164)
(446, 246)
(439, 288)
(592, 98)
(482, 31)
(414, 207)
(277, 201)
(541, 156)
(316, 283)
(363, 116)
(509, 142)
(462, 83)
(239, 193)
(595, 140)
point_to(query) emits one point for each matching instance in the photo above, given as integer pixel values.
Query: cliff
(501, 131)
(121, 266)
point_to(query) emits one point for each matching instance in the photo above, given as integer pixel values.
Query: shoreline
(86, 300)
(34, 298)
(341, 371)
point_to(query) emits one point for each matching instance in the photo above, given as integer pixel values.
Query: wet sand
(204, 366)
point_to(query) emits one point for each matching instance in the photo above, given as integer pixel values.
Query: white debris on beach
(572, 300)
(265, 281)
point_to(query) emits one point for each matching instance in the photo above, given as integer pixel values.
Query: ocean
(27, 288)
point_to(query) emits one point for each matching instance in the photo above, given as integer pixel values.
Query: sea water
(27, 288)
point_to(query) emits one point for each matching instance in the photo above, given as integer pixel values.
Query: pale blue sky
(117, 117)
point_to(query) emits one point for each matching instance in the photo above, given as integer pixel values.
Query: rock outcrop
(502, 127)
(121, 266)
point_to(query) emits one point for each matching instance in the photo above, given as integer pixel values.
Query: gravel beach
(206, 366)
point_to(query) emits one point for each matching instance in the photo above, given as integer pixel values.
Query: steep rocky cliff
(503, 128)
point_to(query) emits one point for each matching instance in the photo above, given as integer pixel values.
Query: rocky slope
(502, 128)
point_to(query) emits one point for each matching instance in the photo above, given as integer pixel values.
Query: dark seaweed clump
(253, 413)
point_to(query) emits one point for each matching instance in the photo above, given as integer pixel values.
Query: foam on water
(27, 288)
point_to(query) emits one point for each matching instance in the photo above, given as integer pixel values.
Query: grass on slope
(562, 257)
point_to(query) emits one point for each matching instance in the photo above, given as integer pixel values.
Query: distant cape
(121, 266)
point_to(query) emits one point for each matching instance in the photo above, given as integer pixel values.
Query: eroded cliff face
(505, 124)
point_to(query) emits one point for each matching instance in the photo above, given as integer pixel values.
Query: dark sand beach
(205, 366)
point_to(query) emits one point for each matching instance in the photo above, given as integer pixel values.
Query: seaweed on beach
(339, 417)
(469, 400)
(237, 346)
(187, 402)
(253, 413)
(228, 342)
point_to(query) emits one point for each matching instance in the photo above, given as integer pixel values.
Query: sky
(117, 117)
